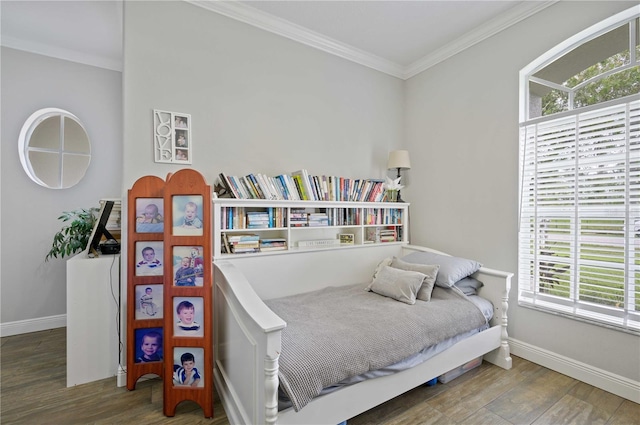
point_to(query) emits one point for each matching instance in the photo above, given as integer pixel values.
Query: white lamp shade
(399, 159)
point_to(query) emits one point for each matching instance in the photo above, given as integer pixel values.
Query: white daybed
(247, 336)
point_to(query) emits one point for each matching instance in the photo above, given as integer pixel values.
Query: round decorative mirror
(54, 148)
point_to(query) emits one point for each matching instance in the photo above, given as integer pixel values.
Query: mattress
(484, 305)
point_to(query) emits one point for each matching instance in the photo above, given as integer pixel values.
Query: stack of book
(273, 244)
(236, 243)
(379, 234)
(258, 220)
(318, 219)
(298, 217)
(387, 235)
(299, 185)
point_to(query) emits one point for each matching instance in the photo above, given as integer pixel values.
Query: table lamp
(399, 160)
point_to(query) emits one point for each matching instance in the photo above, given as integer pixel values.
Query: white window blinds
(579, 237)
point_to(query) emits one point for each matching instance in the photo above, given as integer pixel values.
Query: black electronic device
(100, 230)
(111, 246)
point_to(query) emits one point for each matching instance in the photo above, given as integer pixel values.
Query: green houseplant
(74, 236)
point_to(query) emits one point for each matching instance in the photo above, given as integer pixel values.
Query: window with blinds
(579, 236)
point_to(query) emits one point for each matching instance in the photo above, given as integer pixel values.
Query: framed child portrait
(149, 215)
(172, 137)
(148, 345)
(149, 256)
(187, 215)
(188, 266)
(149, 302)
(189, 316)
(188, 367)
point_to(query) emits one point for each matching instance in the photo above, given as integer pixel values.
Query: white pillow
(401, 285)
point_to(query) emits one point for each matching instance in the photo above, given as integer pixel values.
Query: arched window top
(597, 65)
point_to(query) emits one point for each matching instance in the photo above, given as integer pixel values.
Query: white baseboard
(607, 381)
(121, 377)
(33, 325)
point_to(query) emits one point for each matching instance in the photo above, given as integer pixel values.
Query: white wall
(34, 290)
(462, 122)
(259, 102)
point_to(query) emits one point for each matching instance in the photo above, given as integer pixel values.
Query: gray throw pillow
(452, 269)
(430, 272)
(401, 285)
(469, 285)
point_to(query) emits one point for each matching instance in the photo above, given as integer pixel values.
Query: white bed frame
(247, 336)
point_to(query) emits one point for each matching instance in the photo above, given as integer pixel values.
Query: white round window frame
(25, 136)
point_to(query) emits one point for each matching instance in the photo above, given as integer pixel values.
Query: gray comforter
(339, 332)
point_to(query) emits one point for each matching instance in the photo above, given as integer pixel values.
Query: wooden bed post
(502, 356)
(271, 388)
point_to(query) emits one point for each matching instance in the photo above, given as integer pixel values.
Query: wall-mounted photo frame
(188, 266)
(149, 345)
(149, 215)
(149, 302)
(187, 215)
(149, 256)
(188, 367)
(189, 316)
(172, 137)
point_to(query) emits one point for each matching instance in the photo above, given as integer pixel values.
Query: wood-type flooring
(33, 391)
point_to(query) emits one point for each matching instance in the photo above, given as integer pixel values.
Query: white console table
(93, 298)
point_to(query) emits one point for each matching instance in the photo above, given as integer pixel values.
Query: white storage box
(454, 373)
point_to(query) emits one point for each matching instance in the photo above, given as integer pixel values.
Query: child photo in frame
(149, 304)
(181, 122)
(188, 266)
(149, 215)
(188, 367)
(189, 316)
(148, 258)
(182, 139)
(149, 345)
(187, 215)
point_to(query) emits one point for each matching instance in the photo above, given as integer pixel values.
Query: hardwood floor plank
(605, 401)
(533, 396)
(627, 414)
(572, 411)
(482, 386)
(34, 392)
(484, 417)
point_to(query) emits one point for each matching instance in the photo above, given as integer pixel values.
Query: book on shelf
(244, 237)
(380, 234)
(300, 185)
(241, 243)
(273, 244)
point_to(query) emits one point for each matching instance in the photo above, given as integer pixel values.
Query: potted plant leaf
(74, 236)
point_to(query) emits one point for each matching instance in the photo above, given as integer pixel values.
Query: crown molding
(61, 53)
(257, 18)
(268, 22)
(492, 27)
